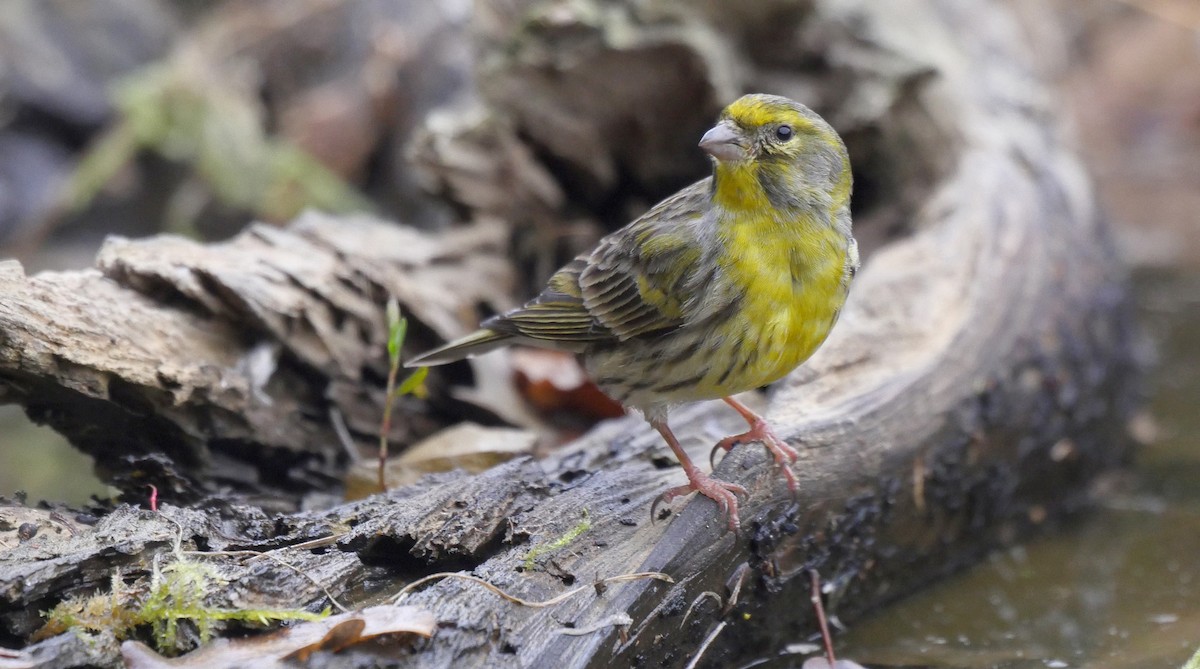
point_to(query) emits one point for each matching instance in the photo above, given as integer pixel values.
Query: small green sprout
(413, 384)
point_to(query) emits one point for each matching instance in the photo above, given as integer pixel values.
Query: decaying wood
(979, 381)
(205, 369)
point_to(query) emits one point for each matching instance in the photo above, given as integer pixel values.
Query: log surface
(979, 381)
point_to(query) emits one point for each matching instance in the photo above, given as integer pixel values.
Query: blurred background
(138, 117)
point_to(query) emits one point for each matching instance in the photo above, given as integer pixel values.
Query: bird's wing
(631, 284)
(557, 314)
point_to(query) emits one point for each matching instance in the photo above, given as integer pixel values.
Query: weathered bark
(214, 369)
(978, 382)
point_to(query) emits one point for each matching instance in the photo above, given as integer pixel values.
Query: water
(1116, 589)
(39, 462)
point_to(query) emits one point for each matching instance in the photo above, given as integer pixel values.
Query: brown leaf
(553, 381)
(343, 635)
(297, 642)
(467, 446)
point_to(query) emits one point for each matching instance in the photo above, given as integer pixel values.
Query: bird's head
(768, 150)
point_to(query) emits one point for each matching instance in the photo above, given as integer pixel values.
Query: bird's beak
(723, 142)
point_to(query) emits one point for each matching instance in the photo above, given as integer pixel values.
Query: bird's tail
(480, 341)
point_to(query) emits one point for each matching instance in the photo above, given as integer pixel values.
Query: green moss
(175, 593)
(561, 542)
(102, 611)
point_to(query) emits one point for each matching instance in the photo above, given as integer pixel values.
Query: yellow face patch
(753, 112)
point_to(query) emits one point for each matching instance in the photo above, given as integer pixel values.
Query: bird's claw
(726, 445)
(724, 493)
(783, 454)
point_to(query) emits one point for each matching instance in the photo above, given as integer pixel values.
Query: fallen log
(979, 382)
(214, 370)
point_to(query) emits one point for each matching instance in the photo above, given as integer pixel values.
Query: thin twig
(704, 646)
(343, 434)
(826, 637)
(316, 543)
(385, 427)
(918, 476)
(62, 520)
(615, 620)
(395, 337)
(178, 551)
(735, 586)
(333, 600)
(696, 602)
(657, 575)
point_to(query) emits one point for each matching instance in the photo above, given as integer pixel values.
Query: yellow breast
(794, 284)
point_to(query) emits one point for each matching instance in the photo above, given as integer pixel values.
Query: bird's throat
(737, 189)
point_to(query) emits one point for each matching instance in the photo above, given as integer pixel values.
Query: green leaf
(412, 384)
(397, 329)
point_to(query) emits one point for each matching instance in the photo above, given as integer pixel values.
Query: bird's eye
(784, 132)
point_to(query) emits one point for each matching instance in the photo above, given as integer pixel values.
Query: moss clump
(561, 542)
(176, 592)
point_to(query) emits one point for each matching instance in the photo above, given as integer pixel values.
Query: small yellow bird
(723, 287)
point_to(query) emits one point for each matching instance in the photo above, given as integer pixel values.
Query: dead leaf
(553, 381)
(343, 635)
(467, 446)
(298, 642)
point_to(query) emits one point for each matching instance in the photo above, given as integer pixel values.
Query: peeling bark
(211, 370)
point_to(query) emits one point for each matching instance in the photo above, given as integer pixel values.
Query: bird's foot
(759, 431)
(722, 492)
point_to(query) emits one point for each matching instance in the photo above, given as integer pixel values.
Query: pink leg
(723, 493)
(759, 431)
